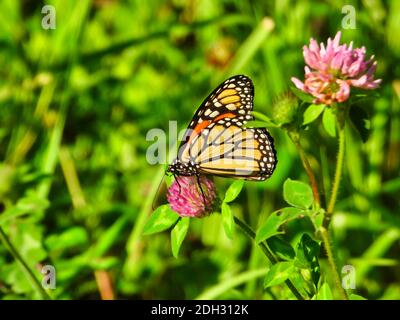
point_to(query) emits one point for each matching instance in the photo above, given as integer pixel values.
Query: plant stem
(338, 173)
(25, 268)
(307, 167)
(324, 229)
(326, 239)
(251, 234)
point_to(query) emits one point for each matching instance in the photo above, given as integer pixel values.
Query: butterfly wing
(231, 101)
(234, 152)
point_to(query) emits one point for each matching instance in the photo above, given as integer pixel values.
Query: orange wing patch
(197, 129)
(225, 115)
(201, 126)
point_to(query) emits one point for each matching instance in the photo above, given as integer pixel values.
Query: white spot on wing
(214, 114)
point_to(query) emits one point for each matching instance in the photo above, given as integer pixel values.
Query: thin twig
(307, 168)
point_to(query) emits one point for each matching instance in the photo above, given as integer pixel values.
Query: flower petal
(297, 83)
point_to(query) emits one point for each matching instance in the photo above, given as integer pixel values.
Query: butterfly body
(216, 142)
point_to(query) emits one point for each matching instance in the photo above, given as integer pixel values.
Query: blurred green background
(76, 104)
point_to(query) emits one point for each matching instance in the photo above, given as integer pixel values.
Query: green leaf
(269, 228)
(329, 122)
(109, 237)
(278, 273)
(178, 234)
(325, 292)
(297, 193)
(32, 203)
(72, 237)
(302, 95)
(259, 124)
(312, 112)
(12, 213)
(307, 251)
(27, 237)
(15, 278)
(281, 248)
(26, 205)
(227, 219)
(307, 256)
(233, 191)
(274, 221)
(103, 263)
(306, 288)
(290, 213)
(263, 117)
(161, 219)
(35, 177)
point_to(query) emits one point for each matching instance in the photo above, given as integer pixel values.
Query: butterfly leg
(201, 189)
(177, 181)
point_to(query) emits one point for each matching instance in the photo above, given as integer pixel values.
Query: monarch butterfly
(216, 143)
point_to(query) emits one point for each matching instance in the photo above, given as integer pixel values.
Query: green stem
(251, 234)
(25, 268)
(307, 167)
(324, 230)
(327, 242)
(338, 172)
